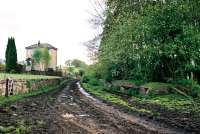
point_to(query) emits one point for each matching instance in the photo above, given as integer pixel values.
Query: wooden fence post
(11, 82)
(6, 90)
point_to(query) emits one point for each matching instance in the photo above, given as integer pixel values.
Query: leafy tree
(11, 55)
(78, 63)
(150, 40)
(68, 63)
(37, 57)
(42, 57)
(46, 57)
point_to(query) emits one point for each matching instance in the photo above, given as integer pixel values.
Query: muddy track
(67, 111)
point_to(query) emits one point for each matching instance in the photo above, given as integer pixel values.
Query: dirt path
(68, 111)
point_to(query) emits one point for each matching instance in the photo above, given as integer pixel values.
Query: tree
(37, 57)
(142, 38)
(68, 63)
(93, 46)
(11, 55)
(78, 63)
(42, 57)
(46, 57)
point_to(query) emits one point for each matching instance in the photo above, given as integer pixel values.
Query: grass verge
(26, 76)
(142, 103)
(172, 108)
(99, 92)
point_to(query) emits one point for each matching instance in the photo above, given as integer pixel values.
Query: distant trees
(75, 67)
(11, 55)
(78, 63)
(68, 63)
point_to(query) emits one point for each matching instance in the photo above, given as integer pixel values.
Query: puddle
(64, 96)
(85, 93)
(68, 116)
(72, 104)
(83, 115)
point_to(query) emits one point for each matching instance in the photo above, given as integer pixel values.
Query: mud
(67, 111)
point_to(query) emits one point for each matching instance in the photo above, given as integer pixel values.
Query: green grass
(25, 76)
(138, 83)
(156, 85)
(169, 101)
(45, 89)
(174, 102)
(99, 92)
(150, 85)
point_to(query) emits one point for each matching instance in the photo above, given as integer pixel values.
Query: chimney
(39, 43)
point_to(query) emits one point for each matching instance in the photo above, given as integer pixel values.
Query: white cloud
(62, 23)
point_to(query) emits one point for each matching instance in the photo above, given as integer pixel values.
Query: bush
(195, 91)
(2, 67)
(186, 83)
(114, 89)
(132, 92)
(137, 75)
(81, 72)
(138, 82)
(13, 71)
(19, 68)
(193, 87)
(94, 82)
(85, 79)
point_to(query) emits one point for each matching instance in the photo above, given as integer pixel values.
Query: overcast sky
(62, 23)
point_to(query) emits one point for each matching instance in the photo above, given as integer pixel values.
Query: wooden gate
(9, 87)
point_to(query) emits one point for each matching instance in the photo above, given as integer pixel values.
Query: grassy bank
(173, 109)
(45, 89)
(100, 92)
(25, 76)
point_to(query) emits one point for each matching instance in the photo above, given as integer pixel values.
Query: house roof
(41, 45)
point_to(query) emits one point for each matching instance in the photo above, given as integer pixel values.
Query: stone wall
(23, 86)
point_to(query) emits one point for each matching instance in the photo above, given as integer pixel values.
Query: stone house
(52, 51)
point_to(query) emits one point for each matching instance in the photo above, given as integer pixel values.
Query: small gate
(9, 87)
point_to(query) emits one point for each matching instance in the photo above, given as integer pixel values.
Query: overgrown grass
(157, 85)
(135, 82)
(103, 94)
(174, 102)
(169, 101)
(45, 89)
(26, 76)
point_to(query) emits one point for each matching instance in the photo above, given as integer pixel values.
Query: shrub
(193, 87)
(2, 67)
(85, 79)
(138, 82)
(19, 68)
(132, 92)
(114, 89)
(186, 83)
(94, 82)
(195, 91)
(13, 71)
(81, 72)
(29, 84)
(137, 75)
